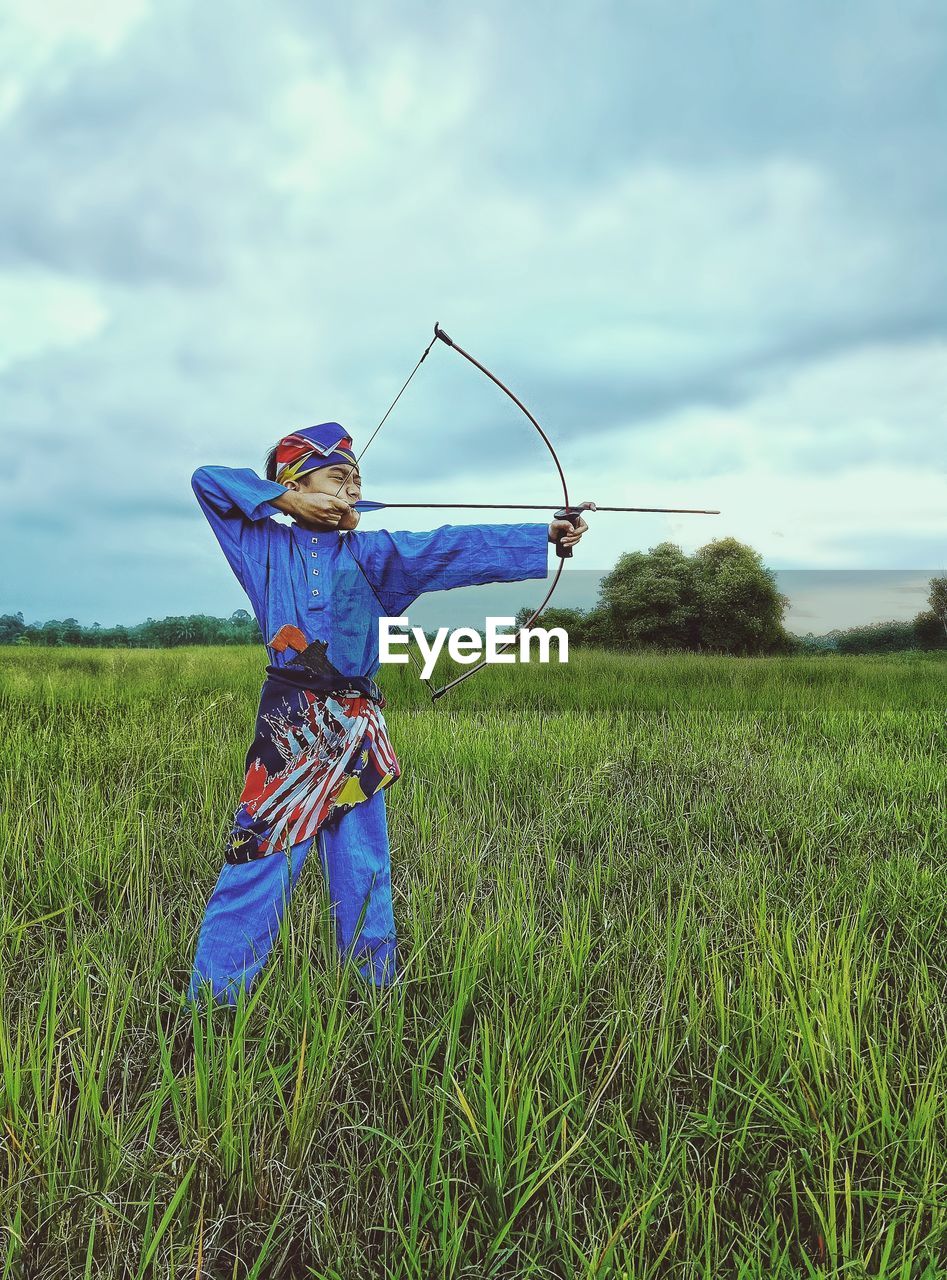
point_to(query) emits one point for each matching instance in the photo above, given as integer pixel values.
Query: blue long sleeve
(238, 505)
(405, 565)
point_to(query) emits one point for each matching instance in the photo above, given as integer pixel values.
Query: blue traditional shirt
(309, 579)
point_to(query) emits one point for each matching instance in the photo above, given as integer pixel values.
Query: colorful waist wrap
(317, 752)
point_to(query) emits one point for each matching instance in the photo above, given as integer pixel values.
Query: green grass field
(674, 1001)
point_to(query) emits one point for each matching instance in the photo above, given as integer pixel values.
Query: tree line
(721, 599)
(154, 633)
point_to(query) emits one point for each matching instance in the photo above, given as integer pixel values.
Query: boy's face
(340, 481)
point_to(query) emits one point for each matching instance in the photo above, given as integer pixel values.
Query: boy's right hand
(313, 508)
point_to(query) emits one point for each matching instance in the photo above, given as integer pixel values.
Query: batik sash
(315, 755)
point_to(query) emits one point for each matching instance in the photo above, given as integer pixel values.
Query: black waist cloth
(297, 679)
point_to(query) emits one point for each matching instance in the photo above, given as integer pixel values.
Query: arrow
(365, 505)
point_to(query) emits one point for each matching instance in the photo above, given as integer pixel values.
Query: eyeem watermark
(466, 645)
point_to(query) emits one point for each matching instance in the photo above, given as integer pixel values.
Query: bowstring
(358, 459)
(411, 654)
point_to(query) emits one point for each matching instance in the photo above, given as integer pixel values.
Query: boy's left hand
(562, 531)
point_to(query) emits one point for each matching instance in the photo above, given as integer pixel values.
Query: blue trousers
(243, 916)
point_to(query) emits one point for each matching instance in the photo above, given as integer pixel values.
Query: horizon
(867, 597)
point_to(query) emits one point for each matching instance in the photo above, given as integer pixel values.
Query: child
(321, 758)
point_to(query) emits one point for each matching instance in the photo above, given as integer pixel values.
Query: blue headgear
(311, 448)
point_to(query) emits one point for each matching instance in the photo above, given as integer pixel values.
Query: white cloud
(361, 133)
(845, 450)
(38, 33)
(41, 312)
(102, 24)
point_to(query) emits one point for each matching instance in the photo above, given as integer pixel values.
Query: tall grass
(674, 957)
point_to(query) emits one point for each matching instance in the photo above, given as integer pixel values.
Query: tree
(52, 633)
(650, 599)
(929, 631)
(740, 609)
(938, 600)
(12, 627)
(721, 598)
(584, 626)
(183, 630)
(878, 637)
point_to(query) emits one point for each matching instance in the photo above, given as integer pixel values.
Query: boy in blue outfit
(321, 757)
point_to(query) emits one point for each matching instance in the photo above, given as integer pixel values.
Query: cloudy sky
(705, 243)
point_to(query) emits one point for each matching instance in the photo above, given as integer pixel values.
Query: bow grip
(573, 515)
